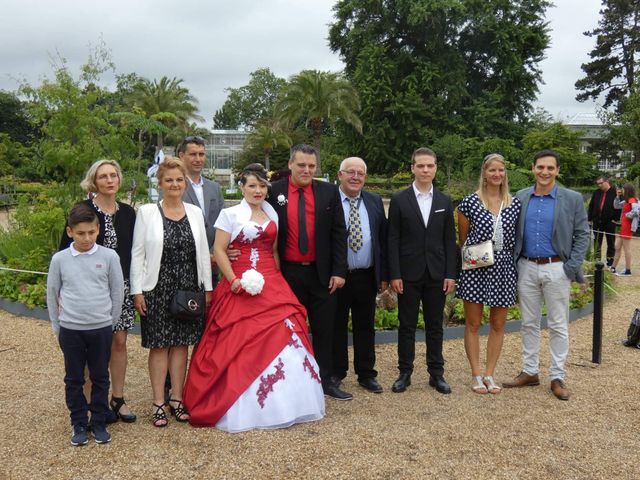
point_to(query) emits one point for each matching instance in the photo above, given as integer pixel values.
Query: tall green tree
(75, 120)
(14, 118)
(428, 68)
(166, 101)
(318, 99)
(613, 68)
(247, 106)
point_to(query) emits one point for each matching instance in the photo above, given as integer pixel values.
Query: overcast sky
(215, 44)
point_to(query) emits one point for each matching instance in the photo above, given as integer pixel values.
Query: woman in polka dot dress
(495, 286)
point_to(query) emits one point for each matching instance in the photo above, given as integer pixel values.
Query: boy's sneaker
(626, 273)
(79, 435)
(100, 433)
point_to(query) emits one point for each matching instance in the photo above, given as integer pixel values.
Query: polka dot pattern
(494, 286)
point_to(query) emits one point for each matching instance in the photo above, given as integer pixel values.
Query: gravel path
(520, 434)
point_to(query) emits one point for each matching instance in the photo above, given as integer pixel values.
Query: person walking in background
(85, 290)
(312, 244)
(552, 239)
(254, 367)
(623, 242)
(117, 219)
(602, 215)
(367, 275)
(422, 266)
(490, 213)
(170, 253)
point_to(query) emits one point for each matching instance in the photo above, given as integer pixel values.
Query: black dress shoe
(334, 392)
(371, 384)
(438, 382)
(401, 384)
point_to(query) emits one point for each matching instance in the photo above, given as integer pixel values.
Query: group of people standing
(302, 249)
(608, 208)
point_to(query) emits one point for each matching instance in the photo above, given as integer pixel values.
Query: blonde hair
(504, 187)
(88, 183)
(170, 163)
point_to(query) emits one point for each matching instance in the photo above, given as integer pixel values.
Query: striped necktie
(355, 226)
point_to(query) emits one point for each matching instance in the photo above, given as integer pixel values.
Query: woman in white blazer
(163, 261)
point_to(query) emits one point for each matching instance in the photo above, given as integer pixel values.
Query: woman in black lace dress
(165, 260)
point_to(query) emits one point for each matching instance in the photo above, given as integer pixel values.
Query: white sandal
(491, 385)
(478, 385)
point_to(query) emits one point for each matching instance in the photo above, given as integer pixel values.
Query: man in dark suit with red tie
(368, 274)
(312, 245)
(422, 266)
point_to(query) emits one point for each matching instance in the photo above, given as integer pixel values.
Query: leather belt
(360, 270)
(543, 260)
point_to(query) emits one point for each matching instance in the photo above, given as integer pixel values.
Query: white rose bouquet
(252, 281)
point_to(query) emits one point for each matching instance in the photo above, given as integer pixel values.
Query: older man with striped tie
(366, 275)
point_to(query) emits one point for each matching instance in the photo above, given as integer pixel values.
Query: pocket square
(438, 211)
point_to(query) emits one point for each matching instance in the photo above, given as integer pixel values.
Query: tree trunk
(317, 133)
(266, 160)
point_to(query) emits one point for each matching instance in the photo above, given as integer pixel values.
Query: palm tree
(319, 99)
(139, 124)
(266, 138)
(166, 101)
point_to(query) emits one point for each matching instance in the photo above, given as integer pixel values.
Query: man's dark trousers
(359, 296)
(433, 298)
(321, 309)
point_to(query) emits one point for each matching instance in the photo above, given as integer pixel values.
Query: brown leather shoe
(559, 389)
(523, 380)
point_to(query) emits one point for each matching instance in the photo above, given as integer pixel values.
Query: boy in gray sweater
(85, 291)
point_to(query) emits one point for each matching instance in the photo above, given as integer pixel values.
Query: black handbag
(633, 333)
(186, 304)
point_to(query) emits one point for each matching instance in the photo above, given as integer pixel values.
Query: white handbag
(481, 254)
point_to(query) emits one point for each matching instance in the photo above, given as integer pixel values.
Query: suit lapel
(413, 201)
(191, 195)
(207, 196)
(435, 205)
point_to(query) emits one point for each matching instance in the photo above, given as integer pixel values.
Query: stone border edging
(382, 336)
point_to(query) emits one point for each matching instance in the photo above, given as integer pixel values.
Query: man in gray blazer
(200, 191)
(552, 238)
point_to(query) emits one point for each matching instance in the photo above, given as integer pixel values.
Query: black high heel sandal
(179, 412)
(116, 404)
(159, 416)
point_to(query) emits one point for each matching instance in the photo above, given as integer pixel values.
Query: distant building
(224, 148)
(590, 128)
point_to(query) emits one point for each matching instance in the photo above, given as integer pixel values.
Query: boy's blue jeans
(93, 349)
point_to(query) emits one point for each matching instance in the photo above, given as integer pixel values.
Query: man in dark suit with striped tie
(367, 274)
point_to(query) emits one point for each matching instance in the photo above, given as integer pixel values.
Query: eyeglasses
(354, 173)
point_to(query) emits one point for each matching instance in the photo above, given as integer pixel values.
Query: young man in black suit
(367, 274)
(422, 266)
(312, 245)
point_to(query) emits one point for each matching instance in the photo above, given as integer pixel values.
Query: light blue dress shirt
(363, 258)
(538, 225)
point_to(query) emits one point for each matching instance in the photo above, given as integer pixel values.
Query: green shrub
(32, 237)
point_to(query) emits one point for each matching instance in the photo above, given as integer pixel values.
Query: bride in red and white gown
(254, 366)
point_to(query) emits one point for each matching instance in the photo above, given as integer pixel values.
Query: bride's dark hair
(257, 170)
